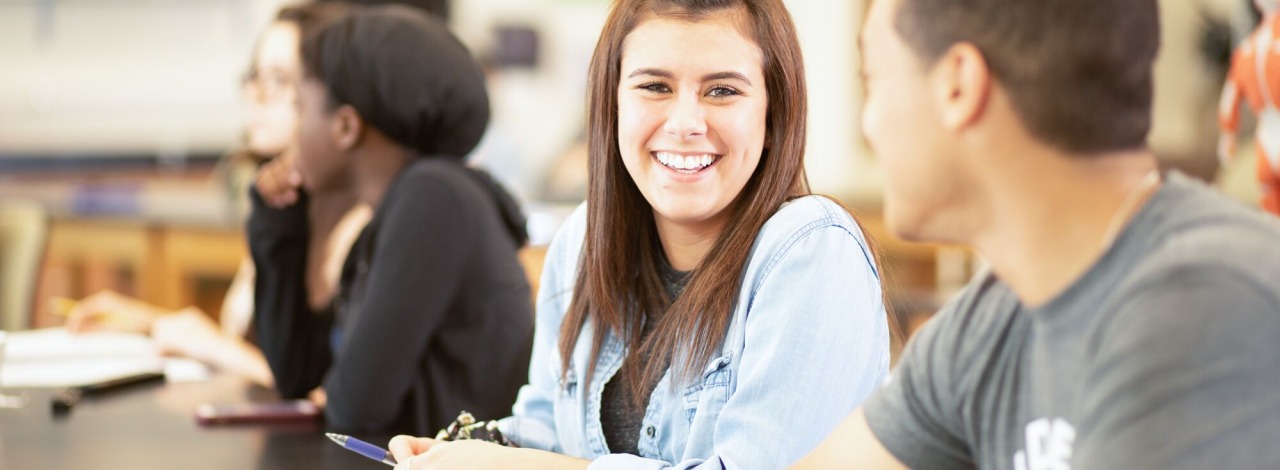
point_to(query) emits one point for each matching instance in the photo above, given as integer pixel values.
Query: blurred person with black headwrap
(433, 313)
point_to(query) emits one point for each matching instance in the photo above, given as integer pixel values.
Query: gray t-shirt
(1164, 355)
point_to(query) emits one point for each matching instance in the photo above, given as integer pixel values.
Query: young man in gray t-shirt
(1129, 320)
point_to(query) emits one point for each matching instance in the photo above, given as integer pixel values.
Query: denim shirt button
(649, 431)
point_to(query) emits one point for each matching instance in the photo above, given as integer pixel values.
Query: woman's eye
(656, 87)
(722, 91)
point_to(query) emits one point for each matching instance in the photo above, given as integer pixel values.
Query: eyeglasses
(267, 87)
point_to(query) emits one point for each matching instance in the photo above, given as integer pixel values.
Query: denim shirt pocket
(567, 411)
(704, 398)
(568, 382)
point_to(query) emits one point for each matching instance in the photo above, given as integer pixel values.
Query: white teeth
(683, 162)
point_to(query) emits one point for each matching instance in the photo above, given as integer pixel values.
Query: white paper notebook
(55, 358)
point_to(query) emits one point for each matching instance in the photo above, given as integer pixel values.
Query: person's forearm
(851, 445)
(419, 453)
(246, 360)
(293, 338)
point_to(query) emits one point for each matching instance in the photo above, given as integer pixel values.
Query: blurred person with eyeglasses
(267, 155)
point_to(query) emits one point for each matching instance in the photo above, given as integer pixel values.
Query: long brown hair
(618, 278)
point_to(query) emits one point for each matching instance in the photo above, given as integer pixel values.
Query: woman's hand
(191, 333)
(278, 181)
(108, 310)
(420, 453)
(318, 397)
(403, 447)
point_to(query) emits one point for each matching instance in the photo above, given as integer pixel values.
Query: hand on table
(318, 397)
(420, 453)
(190, 333)
(108, 310)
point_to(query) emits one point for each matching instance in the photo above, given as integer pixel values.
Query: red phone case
(295, 411)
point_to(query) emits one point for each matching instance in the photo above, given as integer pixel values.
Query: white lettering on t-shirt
(1048, 446)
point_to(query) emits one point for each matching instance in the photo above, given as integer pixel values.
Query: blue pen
(363, 448)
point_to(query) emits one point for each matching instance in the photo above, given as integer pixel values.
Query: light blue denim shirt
(808, 342)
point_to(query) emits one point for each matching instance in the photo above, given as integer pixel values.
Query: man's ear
(963, 84)
(348, 127)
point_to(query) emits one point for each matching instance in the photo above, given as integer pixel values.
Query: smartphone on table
(293, 411)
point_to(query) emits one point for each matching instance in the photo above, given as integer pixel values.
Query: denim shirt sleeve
(815, 344)
(532, 424)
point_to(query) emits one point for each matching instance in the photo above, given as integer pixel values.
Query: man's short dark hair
(1079, 72)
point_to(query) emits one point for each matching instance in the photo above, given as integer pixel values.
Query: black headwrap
(410, 78)
(406, 75)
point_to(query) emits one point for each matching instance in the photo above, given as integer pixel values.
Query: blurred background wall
(101, 78)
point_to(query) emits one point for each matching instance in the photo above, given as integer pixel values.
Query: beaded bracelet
(466, 427)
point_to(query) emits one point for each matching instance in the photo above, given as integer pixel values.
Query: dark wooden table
(152, 426)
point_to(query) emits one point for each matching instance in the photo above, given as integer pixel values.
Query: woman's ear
(348, 126)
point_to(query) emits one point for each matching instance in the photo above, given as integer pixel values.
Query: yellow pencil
(62, 307)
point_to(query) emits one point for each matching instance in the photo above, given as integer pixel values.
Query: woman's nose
(685, 118)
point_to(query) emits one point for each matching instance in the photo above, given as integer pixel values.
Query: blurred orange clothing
(1255, 78)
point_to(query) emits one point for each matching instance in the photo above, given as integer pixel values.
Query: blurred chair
(24, 229)
(531, 259)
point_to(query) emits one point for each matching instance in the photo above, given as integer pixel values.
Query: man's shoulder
(1200, 234)
(984, 300)
(1189, 214)
(1205, 260)
(975, 324)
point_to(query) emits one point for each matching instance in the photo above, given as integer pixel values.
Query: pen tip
(340, 439)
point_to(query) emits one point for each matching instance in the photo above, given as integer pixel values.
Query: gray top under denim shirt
(1164, 355)
(808, 342)
(620, 419)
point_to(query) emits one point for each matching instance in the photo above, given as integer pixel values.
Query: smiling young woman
(702, 309)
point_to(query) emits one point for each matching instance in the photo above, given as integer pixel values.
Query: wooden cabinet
(169, 265)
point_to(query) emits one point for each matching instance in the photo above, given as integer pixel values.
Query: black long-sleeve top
(433, 313)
